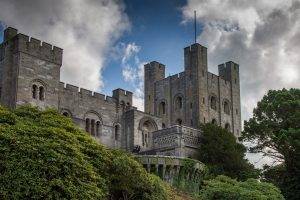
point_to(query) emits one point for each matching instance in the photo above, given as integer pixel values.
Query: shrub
(44, 156)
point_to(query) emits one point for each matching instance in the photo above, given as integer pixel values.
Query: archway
(147, 126)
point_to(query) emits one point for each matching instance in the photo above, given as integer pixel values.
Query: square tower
(30, 71)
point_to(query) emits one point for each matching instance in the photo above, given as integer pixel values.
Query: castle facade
(174, 105)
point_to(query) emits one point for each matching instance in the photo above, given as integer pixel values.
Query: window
(214, 121)
(213, 102)
(87, 125)
(202, 72)
(179, 121)
(178, 103)
(34, 91)
(163, 125)
(41, 93)
(226, 107)
(191, 105)
(98, 128)
(203, 100)
(236, 111)
(93, 127)
(191, 122)
(204, 120)
(162, 108)
(117, 132)
(235, 80)
(227, 126)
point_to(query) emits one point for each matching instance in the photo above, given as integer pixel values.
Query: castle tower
(30, 71)
(153, 72)
(195, 66)
(230, 72)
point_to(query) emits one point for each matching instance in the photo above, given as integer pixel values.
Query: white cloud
(262, 36)
(85, 29)
(133, 71)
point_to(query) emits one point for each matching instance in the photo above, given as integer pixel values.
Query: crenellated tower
(153, 71)
(30, 70)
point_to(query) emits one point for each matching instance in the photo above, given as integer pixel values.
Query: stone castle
(174, 105)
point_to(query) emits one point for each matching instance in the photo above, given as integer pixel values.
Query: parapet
(194, 47)
(33, 46)
(86, 93)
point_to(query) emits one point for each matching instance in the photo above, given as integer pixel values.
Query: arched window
(226, 107)
(179, 121)
(227, 126)
(214, 121)
(41, 93)
(213, 102)
(117, 132)
(162, 108)
(98, 128)
(34, 91)
(87, 125)
(93, 127)
(178, 103)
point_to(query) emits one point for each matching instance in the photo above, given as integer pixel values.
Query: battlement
(194, 47)
(120, 91)
(226, 70)
(32, 46)
(86, 93)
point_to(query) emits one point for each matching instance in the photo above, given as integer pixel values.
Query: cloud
(133, 71)
(85, 29)
(262, 36)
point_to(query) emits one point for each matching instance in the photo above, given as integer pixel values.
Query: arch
(214, 121)
(178, 101)
(38, 88)
(226, 107)
(66, 112)
(213, 102)
(179, 121)
(147, 125)
(162, 108)
(98, 128)
(227, 126)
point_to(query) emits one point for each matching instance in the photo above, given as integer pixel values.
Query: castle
(174, 105)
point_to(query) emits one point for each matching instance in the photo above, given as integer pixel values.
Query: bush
(224, 188)
(44, 156)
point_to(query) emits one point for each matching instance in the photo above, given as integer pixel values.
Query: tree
(275, 131)
(43, 155)
(225, 188)
(223, 155)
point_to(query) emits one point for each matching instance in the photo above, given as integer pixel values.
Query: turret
(123, 97)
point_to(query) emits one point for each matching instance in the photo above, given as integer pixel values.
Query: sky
(106, 42)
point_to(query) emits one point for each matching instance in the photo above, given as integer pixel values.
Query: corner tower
(230, 72)
(29, 71)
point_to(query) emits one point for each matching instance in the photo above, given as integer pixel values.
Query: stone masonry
(174, 106)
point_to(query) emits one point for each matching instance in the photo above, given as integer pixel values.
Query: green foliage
(44, 156)
(279, 176)
(275, 129)
(224, 188)
(223, 155)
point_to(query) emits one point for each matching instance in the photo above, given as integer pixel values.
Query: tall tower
(154, 71)
(230, 72)
(195, 65)
(29, 71)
